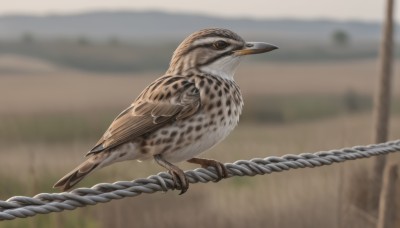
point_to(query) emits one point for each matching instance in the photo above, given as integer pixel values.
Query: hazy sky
(306, 9)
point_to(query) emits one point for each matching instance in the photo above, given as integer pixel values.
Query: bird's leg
(178, 176)
(222, 172)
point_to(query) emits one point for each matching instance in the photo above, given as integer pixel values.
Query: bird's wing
(166, 100)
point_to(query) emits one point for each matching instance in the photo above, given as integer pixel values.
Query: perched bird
(194, 106)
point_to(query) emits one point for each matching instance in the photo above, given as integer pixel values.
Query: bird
(187, 111)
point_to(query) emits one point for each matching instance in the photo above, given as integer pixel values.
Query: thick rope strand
(43, 203)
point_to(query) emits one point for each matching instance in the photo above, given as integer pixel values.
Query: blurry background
(67, 68)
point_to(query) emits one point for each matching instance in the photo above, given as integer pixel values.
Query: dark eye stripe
(216, 58)
(226, 53)
(207, 45)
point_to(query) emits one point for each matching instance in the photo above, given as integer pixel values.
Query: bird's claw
(178, 176)
(180, 180)
(222, 172)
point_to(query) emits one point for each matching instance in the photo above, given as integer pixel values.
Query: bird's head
(215, 51)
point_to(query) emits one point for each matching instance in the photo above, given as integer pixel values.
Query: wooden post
(382, 97)
(387, 203)
(382, 102)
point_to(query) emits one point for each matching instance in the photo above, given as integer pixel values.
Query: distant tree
(340, 38)
(114, 41)
(28, 37)
(83, 41)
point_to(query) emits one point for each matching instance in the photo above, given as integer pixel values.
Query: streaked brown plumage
(195, 105)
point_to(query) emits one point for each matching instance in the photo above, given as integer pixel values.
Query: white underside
(209, 139)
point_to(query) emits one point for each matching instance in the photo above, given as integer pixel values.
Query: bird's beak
(251, 48)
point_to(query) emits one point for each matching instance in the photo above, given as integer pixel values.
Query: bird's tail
(75, 176)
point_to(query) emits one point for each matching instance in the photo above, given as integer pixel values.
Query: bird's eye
(220, 44)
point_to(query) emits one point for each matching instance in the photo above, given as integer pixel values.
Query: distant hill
(132, 25)
(140, 41)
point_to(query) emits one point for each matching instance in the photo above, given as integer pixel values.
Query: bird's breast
(221, 106)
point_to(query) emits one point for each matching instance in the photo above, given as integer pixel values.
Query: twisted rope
(43, 203)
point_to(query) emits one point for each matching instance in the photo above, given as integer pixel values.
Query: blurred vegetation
(290, 109)
(54, 127)
(341, 38)
(85, 54)
(115, 55)
(69, 127)
(281, 200)
(27, 38)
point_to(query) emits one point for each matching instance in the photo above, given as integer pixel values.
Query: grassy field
(51, 116)
(31, 86)
(305, 198)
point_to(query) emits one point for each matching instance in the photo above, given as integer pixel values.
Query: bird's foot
(180, 179)
(222, 172)
(178, 176)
